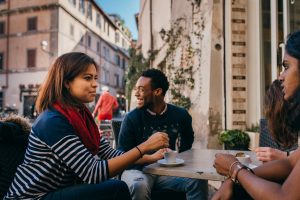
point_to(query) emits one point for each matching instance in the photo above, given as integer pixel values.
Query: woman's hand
(223, 162)
(225, 191)
(157, 155)
(156, 141)
(266, 154)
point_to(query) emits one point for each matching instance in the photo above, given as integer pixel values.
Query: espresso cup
(245, 159)
(170, 156)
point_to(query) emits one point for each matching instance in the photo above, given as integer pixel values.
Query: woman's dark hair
(65, 68)
(158, 79)
(277, 111)
(292, 46)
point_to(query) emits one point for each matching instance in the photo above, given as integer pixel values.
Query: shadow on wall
(215, 126)
(201, 129)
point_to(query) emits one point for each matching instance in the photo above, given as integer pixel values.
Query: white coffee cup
(245, 160)
(170, 156)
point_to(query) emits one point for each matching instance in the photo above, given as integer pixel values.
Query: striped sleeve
(106, 151)
(74, 154)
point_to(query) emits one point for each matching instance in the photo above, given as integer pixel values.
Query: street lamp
(44, 45)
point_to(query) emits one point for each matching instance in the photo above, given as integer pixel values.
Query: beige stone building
(220, 56)
(33, 33)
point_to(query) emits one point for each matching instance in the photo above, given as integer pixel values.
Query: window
(89, 41)
(106, 76)
(73, 2)
(104, 51)
(1, 61)
(89, 11)
(31, 58)
(32, 24)
(123, 43)
(81, 38)
(118, 60)
(107, 30)
(104, 27)
(117, 37)
(2, 28)
(72, 30)
(1, 100)
(117, 80)
(81, 6)
(123, 63)
(108, 54)
(98, 47)
(98, 20)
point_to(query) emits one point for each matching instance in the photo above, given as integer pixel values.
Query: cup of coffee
(243, 158)
(170, 156)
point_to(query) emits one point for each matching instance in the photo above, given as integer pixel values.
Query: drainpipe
(7, 46)
(151, 33)
(224, 67)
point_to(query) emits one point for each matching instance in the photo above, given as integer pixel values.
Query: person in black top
(153, 115)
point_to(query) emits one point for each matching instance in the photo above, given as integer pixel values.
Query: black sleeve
(127, 138)
(187, 133)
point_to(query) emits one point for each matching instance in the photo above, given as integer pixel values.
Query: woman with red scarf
(66, 157)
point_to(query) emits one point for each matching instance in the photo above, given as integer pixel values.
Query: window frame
(2, 27)
(1, 61)
(31, 60)
(32, 23)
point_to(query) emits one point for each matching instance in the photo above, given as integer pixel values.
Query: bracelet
(141, 155)
(232, 166)
(237, 170)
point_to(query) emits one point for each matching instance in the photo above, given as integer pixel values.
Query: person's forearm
(257, 187)
(146, 159)
(277, 170)
(117, 164)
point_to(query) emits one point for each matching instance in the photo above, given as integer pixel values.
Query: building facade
(220, 56)
(34, 33)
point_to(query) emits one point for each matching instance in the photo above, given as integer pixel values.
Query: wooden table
(198, 164)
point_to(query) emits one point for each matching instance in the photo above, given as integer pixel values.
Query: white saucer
(251, 166)
(164, 163)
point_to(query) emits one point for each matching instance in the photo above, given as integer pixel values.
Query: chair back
(13, 144)
(116, 125)
(266, 140)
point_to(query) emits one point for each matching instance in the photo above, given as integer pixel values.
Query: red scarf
(83, 124)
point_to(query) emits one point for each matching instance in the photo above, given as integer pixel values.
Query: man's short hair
(158, 79)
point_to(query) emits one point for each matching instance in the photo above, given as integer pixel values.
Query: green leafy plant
(234, 139)
(253, 128)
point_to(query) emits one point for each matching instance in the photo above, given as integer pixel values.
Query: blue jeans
(108, 190)
(141, 184)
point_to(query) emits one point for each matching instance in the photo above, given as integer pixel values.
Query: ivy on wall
(181, 74)
(179, 44)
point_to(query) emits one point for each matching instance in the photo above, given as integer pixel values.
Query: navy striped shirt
(56, 157)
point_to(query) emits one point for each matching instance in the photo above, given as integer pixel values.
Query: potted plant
(234, 139)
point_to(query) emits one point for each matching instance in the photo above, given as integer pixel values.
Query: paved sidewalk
(213, 186)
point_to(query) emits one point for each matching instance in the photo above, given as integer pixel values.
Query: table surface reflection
(198, 164)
